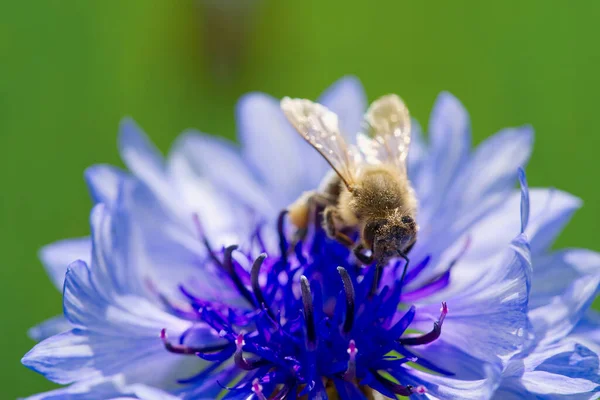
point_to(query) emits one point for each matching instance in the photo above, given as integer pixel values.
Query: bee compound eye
(407, 219)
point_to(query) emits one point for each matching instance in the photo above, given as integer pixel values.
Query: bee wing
(387, 132)
(319, 127)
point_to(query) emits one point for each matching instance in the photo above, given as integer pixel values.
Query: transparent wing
(387, 132)
(319, 127)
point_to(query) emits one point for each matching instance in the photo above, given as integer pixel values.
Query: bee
(368, 190)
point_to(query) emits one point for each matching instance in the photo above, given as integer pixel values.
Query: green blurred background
(71, 69)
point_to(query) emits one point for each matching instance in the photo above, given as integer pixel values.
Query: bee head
(388, 237)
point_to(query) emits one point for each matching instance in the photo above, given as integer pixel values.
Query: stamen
(400, 389)
(428, 337)
(228, 267)
(350, 298)
(350, 373)
(258, 294)
(204, 239)
(257, 389)
(183, 349)
(311, 333)
(238, 356)
(420, 389)
(283, 245)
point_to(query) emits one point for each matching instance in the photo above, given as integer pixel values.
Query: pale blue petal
(141, 156)
(103, 183)
(525, 204)
(487, 319)
(219, 161)
(118, 334)
(276, 151)
(554, 321)
(57, 256)
(49, 327)
(553, 273)
(110, 388)
(221, 217)
(417, 159)
(348, 100)
(553, 216)
(587, 330)
(450, 145)
(486, 180)
(489, 236)
(565, 370)
(447, 388)
(163, 253)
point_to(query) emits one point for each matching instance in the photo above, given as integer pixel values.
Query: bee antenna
(403, 256)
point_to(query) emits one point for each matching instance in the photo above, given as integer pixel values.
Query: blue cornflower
(165, 299)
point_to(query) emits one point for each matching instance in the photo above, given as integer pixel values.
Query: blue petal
(552, 216)
(553, 372)
(141, 156)
(117, 335)
(417, 160)
(553, 273)
(220, 161)
(58, 255)
(587, 330)
(348, 100)
(49, 327)
(450, 140)
(278, 153)
(489, 236)
(554, 321)
(487, 319)
(444, 388)
(486, 180)
(524, 200)
(113, 387)
(164, 251)
(103, 183)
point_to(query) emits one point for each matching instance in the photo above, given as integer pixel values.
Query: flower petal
(111, 388)
(141, 156)
(103, 183)
(284, 162)
(219, 161)
(57, 256)
(444, 388)
(566, 368)
(348, 100)
(553, 273)
(486, 320)
(117, 334)
(554, 321)
(587, 331)
(49, 327)
(486, 180)
(450, 144)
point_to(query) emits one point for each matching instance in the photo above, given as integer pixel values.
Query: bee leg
(409, 248)
(300, 213)
(330, 215)
(403, 255)
(363, 258)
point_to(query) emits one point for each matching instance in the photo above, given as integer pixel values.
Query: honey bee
(368, 190)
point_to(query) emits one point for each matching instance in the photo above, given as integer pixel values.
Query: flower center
(321, 323)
